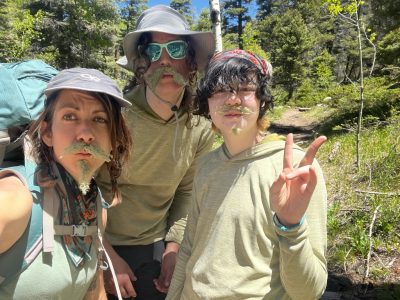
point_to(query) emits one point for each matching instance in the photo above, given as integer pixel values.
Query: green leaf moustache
(96, 151)
(236, 108)
(153, 79)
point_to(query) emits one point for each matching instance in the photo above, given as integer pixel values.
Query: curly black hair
(228, 75)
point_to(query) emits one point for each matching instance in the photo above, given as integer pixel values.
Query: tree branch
(390, 194)
(370, 241)
(373, 45)
(348, 19)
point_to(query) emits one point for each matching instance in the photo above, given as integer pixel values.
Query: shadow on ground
(341, 287)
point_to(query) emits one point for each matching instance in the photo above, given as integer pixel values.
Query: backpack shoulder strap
(50, 210)
(4, 142)
(25, 250)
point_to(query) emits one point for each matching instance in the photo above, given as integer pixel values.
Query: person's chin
(168, 83)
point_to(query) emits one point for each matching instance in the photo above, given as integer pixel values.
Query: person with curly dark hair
(257, 225)
(145, 230)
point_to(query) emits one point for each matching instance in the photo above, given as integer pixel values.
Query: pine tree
(78, 32)
(19, 31)
(129, 12)
(386, 23)
(389, 49)
(236, 14)
(250, 40)
(185, 8)
(264, 8)
(386, 16)
(290, 44)
(203, 23)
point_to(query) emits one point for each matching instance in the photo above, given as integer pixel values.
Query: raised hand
(291, 192)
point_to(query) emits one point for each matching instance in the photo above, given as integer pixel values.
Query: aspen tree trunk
(360, 112)
(216, 23)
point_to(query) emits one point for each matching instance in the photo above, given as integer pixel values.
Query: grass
(276, 113)
(355, 195)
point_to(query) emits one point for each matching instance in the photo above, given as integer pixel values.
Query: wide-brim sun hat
(164, 19)
(88, 80)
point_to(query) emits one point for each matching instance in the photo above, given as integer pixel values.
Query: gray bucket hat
(161, 18)
(89, 80)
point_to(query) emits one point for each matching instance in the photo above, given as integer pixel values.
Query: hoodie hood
(271, 145)
(137, 96)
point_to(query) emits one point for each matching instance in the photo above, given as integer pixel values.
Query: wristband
(286, 228)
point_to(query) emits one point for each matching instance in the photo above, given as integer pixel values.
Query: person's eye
(223, 91)
(69, 117)
(247, 95)
(101, 120)
(220, 94)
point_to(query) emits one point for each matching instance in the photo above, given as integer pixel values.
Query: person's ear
(45, 134)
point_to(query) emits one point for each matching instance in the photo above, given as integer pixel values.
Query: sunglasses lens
(177, 49)
(153, 51)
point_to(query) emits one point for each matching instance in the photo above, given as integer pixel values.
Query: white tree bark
(215, 16)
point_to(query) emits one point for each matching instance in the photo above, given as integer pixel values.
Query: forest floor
(341, 285)
(294, 120)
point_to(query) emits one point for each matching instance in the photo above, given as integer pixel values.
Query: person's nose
(233, 99)
(85, 132)
(165, 59)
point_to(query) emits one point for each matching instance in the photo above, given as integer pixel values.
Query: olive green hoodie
(232, 249)
(156, 189)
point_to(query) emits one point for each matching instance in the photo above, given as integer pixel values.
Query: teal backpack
(22, 98)
(21, 101)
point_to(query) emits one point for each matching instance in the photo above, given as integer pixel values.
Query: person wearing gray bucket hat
(54, 206)
(89, 80)
(144, 231)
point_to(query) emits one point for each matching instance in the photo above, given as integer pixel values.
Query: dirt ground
(294, 120)
(295, 117)
(350, 285)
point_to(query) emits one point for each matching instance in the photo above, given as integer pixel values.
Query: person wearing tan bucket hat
(144, 231)
(167, 20)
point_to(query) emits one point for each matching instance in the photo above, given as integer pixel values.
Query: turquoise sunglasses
(175, 49)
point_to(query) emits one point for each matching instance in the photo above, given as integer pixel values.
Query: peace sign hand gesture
(291, 192)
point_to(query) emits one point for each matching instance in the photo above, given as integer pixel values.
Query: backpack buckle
(79, 230)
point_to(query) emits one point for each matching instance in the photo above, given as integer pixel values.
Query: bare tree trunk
(360, 112)
(216, 23)
(240, 27)
(82, 44)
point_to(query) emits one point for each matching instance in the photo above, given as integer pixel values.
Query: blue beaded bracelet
(286, 228)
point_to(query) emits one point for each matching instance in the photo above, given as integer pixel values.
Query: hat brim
(121, 101)
(123, 62)
(202, 42)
